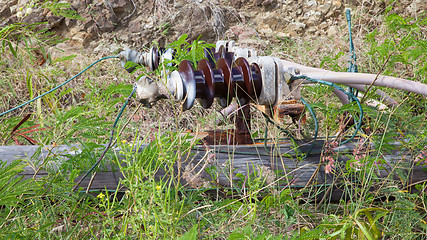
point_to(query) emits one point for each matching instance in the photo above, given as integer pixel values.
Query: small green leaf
(191, 234)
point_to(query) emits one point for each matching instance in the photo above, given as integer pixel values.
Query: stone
(5, 11)
(282, 35)
(264, 2)
(337, 4)
(53, 20)
(36, 16)
(335, 9)
(311, 3)
(312, 30)
(416, 7)
(265, 28)
(106, 21)
(135, 26)
(295, 28)
(324, 8)
(119, 6)
(323, 25)
(332, 31)
(313, 18)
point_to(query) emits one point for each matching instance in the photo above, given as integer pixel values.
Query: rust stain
(290, 108)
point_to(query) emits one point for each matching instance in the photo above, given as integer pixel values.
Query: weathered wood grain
(223, 165)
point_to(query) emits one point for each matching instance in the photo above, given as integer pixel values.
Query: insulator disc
(256, 78)
(229, 56)
(209, 92)
(222, 64)
(210, 56)
(154, 58)
(238, 87)
(187, 74)
(247, 76)
(220, 54)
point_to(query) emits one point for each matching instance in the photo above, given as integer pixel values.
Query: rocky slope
(137, 23)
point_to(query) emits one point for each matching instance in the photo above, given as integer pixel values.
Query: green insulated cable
(109, 141)
(55, 88)
(352, 66)
(316, 125)
(351, 95)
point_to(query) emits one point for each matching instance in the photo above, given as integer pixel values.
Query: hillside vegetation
(45, 43)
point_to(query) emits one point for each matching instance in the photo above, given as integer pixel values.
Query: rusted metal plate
(288, 108)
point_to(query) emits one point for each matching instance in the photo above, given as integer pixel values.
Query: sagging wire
(316, 125)
(351, 95)
(292, 139)
(60, 85)
(114, 124)
(109, 141)
(316, 130)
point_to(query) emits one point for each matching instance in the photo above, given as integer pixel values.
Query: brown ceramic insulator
(155, 58)
(210, 56)
(229, 56)
(256, 79)
(238, 87)
(204, 83)
(244, 67)
(216, 77)
(242, 81)
(187, 74)
(227, 94)
(221, 89)
(220, 53)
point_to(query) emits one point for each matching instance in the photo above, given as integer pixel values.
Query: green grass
(163, 208)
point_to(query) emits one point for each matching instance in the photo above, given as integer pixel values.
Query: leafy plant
(357, 227)
(185, 50)
(12, 187)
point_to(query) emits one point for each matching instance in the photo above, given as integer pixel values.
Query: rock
(312, 30)
(199, 19)
(332, 31)
(335, 9)
(311, 3)
(106, 21)
(337, 4)
(136, 25)
(265, 28)
(282, 35)
(37, 16)
(119, 6)
(58, 229)
(313, 18)
(264, 2)
(53, 21)
(417, 7)
(5, 11)
(294, 28)
(324, 8)
(241, 33)
(323, 25)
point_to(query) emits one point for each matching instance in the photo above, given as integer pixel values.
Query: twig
(376, 78)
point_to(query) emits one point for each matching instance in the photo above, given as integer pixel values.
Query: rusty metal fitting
(292, 108)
